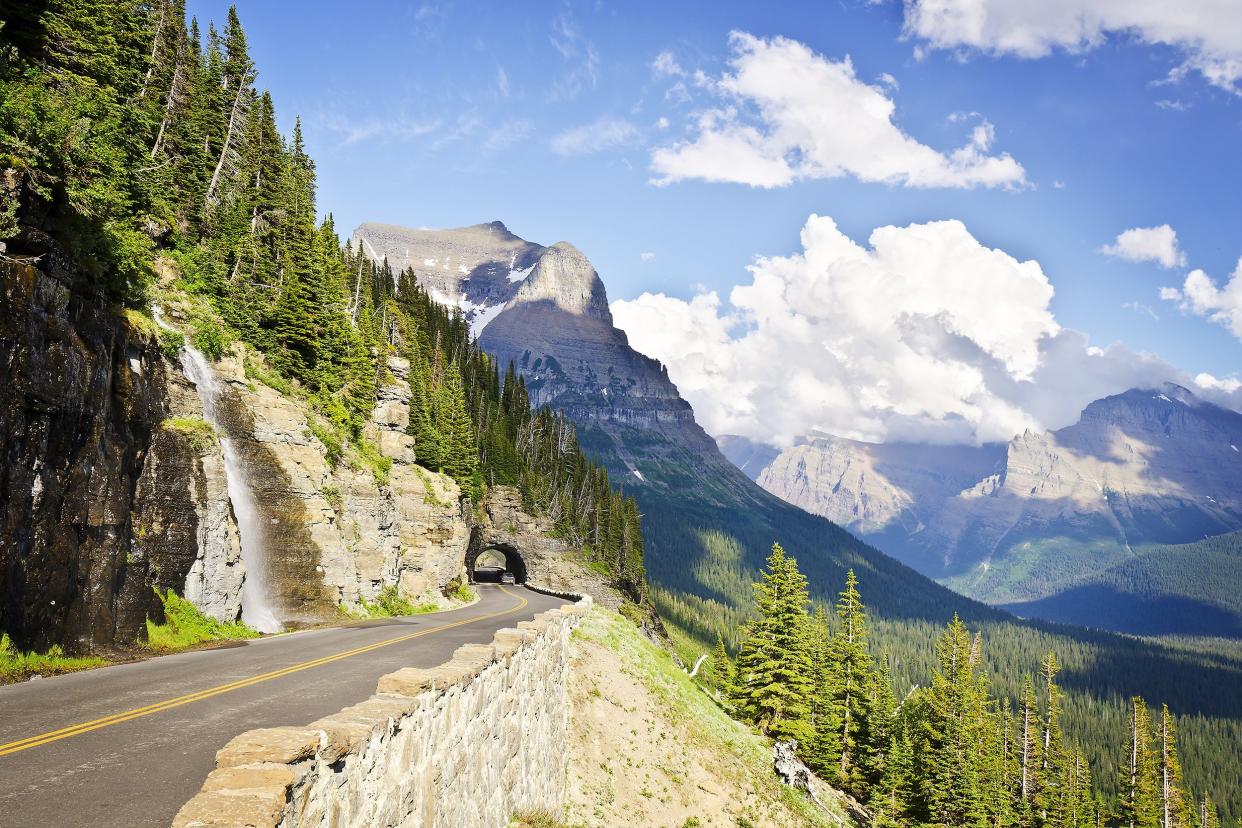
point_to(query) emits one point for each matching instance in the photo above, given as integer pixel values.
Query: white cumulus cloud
(1148, 244)
(1200, 295)
(787, 113)
(923, 334)
(1208, 33)
(599, 135)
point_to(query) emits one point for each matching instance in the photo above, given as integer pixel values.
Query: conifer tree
(823, 749)
(1175, 811)
(1140, 801)
(950, 789)
(1051, 798)
(1209, 817)
(772, 688)
(852, 668)
(722, 669)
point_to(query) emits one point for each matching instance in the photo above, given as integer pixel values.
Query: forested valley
(949, 752)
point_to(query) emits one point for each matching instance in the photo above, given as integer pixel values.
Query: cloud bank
(1208, 33)
(786, 113)
(924, 334)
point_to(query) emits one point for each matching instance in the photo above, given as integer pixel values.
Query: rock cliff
(335, 533)
(80, 412)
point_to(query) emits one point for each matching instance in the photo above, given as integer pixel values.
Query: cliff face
(82, 400)
(332, 533)
(113, 485)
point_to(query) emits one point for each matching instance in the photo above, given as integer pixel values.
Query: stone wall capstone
(461, 745)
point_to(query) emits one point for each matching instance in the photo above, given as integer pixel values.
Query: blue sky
(445, 114)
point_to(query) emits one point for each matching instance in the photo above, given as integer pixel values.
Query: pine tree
(949, 744)
(722, 670)
(1175, 811)
(852, 667)
(772, 688)
(1140, 801)
(1051, 798)
(1209, 817)
(822, 752)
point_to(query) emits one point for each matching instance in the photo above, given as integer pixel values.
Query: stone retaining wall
(461, 745)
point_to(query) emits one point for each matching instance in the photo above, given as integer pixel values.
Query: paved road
(127, 745)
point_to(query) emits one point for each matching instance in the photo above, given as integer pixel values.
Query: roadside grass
(17, 666)
(185, 626)
(458, 591)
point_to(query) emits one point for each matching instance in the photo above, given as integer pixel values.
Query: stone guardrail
(460, 745)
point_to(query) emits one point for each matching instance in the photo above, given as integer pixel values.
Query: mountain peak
(567, 279)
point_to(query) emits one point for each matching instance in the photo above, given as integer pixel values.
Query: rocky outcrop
(461, 745)
(82, 399)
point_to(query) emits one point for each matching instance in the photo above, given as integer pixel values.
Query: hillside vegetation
(126, 135)
(1161, 589)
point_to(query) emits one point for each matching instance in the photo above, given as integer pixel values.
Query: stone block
(271, 744)
(260, 776)
(341, 736)
(408, 681)
(228, 809)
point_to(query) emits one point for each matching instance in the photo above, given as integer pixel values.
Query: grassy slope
(652, 748)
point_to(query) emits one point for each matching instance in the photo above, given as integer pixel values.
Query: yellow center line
(168, 704)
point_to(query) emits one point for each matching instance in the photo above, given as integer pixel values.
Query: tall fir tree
(772, 688)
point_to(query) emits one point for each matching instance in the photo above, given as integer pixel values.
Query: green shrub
(369, 457)
(171, 342)
(458, 591)
(269, 378)
(331, 440)
(332, 494)
(633, 613)
(200, 433)
(185, 625)
(16, 665)
(388, 604)
(141, 321)
(209, 338)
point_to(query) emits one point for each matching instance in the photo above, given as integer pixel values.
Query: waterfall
(256, 607)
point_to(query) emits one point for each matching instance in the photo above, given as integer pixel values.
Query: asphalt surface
(128, 745)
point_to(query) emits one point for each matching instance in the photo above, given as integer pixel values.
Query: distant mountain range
(1048, 515)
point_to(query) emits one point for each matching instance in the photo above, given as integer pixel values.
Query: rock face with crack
(82, 402)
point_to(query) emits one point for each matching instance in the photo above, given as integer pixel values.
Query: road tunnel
(490, 562)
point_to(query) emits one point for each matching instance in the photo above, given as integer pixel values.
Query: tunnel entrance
(488, 564)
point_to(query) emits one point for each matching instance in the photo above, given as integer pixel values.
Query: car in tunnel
(507, 577)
